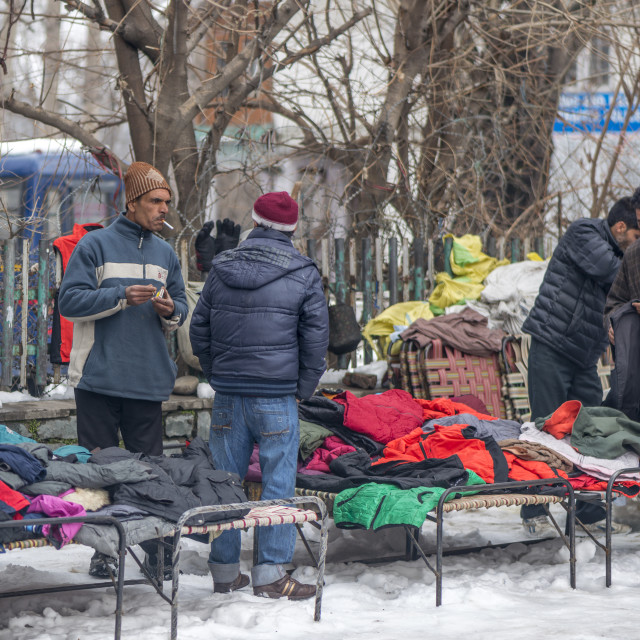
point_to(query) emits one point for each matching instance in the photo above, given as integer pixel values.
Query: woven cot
(440, 371)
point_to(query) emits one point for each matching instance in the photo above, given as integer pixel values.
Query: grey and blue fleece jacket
(120, 350)
(261, 326)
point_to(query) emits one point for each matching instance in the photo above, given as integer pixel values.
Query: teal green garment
(9, 436)
(602, 432)
(81, 453)
(374, 506)
(311, 437)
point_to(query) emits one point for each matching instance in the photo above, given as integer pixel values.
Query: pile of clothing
(36, 482)
(390, 456)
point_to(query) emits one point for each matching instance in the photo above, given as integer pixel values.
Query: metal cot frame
(317, 516)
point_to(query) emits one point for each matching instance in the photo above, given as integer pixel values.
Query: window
(599, 67)
(10, 208)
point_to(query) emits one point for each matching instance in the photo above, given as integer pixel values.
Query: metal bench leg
(122, 550)
(175, 576)
(322, 555)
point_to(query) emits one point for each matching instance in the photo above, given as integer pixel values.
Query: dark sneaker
(600, 528)
(226, 587)
(539, 527)
(150, 563)
(286, 587)
(103, 566)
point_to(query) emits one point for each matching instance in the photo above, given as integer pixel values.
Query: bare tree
(165, 88)
(439, 112)
(453, 129)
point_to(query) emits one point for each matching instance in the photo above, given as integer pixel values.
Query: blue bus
(46, 188)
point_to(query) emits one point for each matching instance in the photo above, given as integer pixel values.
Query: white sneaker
(539, 527)
(599, 528)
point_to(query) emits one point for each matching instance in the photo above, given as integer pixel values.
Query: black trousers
(552, 380)
(100, 417)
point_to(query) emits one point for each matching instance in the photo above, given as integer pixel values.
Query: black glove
(205, 247)
(227, 235)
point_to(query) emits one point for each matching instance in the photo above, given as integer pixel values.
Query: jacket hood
(266, 255)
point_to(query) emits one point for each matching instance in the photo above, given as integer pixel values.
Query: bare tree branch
(59, 122)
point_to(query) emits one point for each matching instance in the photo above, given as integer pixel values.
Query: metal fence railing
(369, 274)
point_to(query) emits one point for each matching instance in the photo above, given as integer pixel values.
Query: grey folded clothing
(104, 537)
(97, 476)
(123, 512)
(46, 488)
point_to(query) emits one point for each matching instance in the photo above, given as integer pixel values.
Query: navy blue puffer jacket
(261, 325)
(567, 314)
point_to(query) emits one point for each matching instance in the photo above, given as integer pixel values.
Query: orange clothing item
(560, 422)
(440, 407)
(483, 456)
(520, 469)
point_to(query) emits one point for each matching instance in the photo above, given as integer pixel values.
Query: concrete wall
(54, 422)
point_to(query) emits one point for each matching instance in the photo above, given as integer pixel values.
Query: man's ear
(620, 227)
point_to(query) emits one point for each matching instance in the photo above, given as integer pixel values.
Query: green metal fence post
(367, 291)
(8, 312)
(42, 314)
(418, 268)
(515, 250)
(341, 287)
(448, 248)
(393, 271)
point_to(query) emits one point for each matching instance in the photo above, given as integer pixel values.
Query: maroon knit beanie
(276, 210)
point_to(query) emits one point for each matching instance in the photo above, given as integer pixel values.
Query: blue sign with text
(595, 113)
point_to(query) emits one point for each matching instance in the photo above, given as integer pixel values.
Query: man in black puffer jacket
(261, 331)
(567, 334)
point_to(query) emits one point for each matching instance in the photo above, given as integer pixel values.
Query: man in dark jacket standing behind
(261, 331)
(567, 334)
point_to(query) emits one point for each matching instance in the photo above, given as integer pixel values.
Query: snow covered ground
(521, 592)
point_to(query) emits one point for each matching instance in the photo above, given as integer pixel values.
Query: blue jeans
(237, 422)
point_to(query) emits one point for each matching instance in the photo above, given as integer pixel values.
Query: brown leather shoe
(286, 587)
(226, 587)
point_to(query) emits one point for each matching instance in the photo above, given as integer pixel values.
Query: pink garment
(57, 508)
(332, 447)
(383, 416)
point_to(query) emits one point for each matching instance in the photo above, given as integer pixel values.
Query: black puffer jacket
(179, 483)
(567, 314)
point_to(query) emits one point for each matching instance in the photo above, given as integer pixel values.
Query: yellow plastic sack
(382, 326)
(450, 291)
(468, 260)
(470, 267)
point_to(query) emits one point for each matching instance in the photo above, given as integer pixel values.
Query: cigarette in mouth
(168, 225)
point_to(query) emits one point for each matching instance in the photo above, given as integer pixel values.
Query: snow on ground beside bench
(521, 592)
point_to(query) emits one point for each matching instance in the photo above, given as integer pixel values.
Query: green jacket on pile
(374, 506)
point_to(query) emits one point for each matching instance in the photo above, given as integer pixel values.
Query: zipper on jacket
(377, 513)
(144, 264)
(350, 498)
